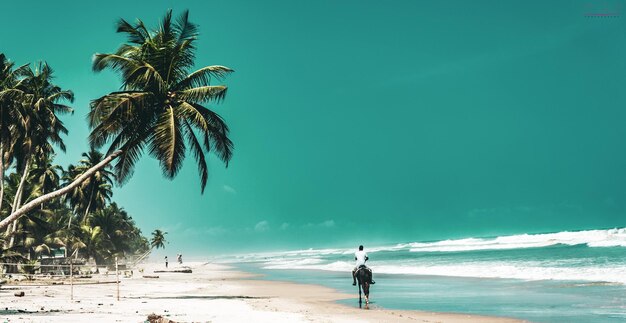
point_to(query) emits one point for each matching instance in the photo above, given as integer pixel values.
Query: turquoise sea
(555, 277)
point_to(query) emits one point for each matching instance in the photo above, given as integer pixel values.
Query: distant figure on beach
(180, 258)
(165, 261)
(361, 257)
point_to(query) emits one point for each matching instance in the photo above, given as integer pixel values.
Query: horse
(364, 278)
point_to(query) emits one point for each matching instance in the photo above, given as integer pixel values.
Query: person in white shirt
(360, 257)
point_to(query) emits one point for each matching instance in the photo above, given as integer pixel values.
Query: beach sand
(212, 293)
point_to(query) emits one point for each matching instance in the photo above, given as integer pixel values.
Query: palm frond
(114, 62)
(167, 143)
(61, 95)
(218, 134)
(136, 35)
(203, 94)
(203, 76)
(186, 30)
(198, 153)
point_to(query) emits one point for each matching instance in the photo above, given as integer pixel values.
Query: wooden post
(117, 279)
(71, 280)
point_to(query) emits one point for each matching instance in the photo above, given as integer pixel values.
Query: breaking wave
(592, 238)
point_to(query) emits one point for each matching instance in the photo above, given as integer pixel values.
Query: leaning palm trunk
(62, 191)
(1, 174)
(88, 206)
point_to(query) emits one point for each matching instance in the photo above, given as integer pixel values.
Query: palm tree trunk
(18, 198)
(1, 174)
(88, 206)
(62, 191)
(16, 201)
(2, 127)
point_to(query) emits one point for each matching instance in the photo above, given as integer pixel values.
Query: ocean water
(556, 277)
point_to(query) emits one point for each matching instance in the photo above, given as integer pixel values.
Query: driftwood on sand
(185, 271)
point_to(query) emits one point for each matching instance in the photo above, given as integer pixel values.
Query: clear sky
(370, 122)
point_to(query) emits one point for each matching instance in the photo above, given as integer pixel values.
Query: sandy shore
(212, 293)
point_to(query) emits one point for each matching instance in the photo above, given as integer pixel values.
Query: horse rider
(361, 257)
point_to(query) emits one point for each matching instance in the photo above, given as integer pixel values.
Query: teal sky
(370, 121)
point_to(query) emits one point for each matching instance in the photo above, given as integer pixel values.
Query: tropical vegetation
(161, 109)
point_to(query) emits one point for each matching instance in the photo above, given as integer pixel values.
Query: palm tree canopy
(160, 105)
(39, 127)
(10, 101)
(47, 173)
(158, 239)
(93, 193)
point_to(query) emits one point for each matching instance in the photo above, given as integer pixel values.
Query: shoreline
(329, 297)
(213, 292)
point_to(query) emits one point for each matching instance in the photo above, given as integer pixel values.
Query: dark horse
(364, 277)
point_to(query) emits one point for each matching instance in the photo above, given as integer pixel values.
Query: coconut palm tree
(47, 174)
(92, 242)
(93, 193)
(158, 239)
(160, 107)
(10, 99)
(40, 128)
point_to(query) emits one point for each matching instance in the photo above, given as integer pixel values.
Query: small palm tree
(47, 174)
(158, 239)
(93, 243)
(93, 193)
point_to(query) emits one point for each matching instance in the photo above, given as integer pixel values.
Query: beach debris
(184, 271)
(19, 294)
(19, 278)
(154, 318)
(150, 276)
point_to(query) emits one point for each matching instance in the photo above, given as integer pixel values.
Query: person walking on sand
(361, 257)
(165, 261)
(180, 259)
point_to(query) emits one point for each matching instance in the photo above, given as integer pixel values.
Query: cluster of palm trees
(31, 129)
(160, 109)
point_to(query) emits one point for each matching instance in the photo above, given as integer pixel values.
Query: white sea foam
(592, 238)
(510, 270)
(542, 269)
(519, 270)
(317, 265)
(292, 263)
